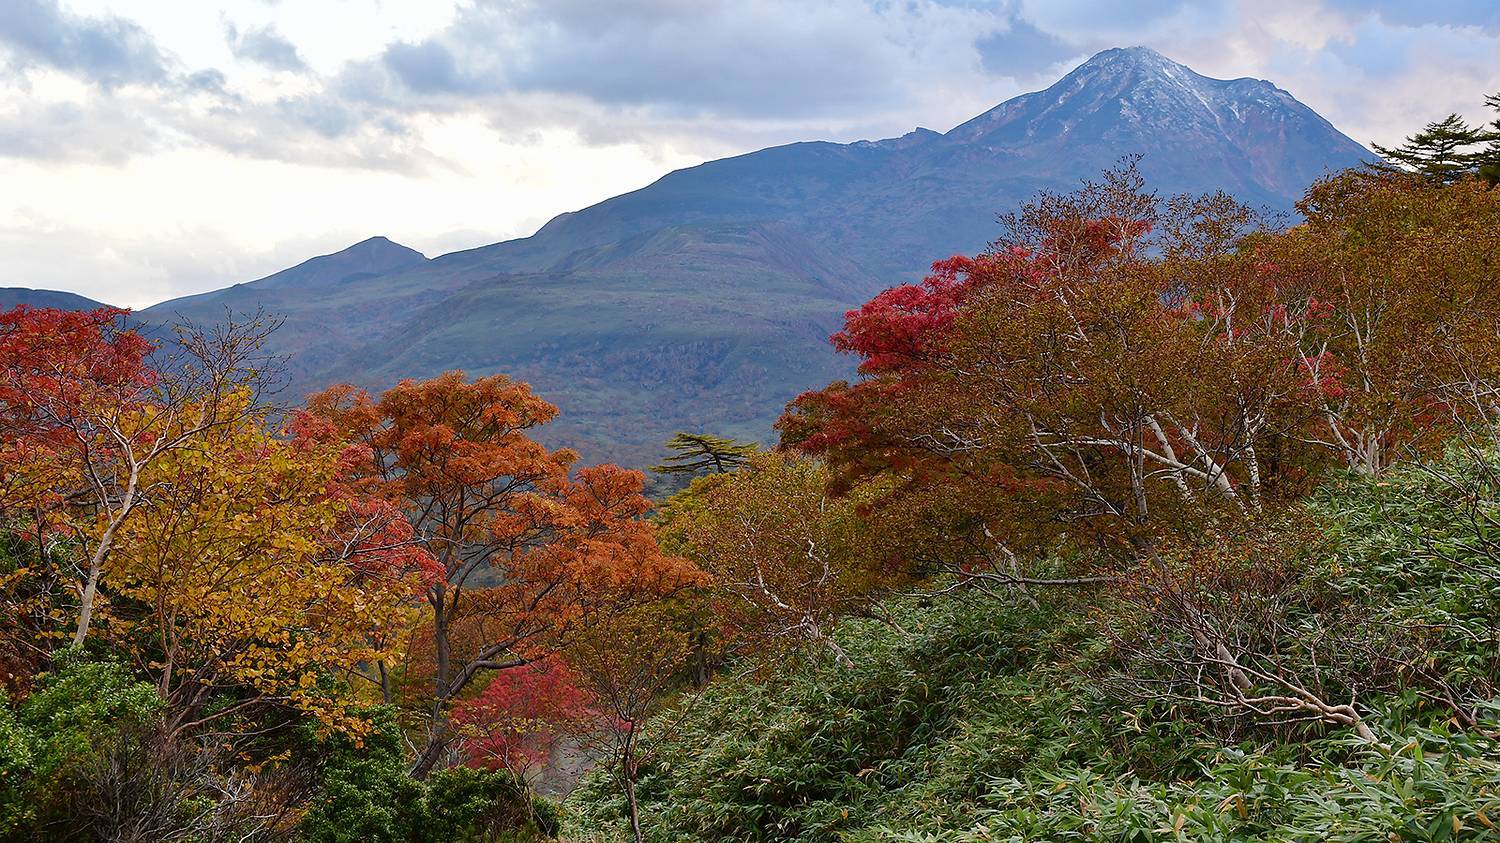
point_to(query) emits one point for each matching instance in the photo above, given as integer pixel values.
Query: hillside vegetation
(973, 718)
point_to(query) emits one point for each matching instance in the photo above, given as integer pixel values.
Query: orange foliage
(527, 554)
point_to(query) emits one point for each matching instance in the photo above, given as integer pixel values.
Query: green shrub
(469, 804)
(47, 744)
(17, 808)
(366, 793)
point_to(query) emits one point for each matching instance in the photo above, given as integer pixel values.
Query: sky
(156, 148)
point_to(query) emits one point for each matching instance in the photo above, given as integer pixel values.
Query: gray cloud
(1023, 50)
(430, 68)
(775, 60)
(716, 74)
(264, 46)
(104, 132)
(108, 51)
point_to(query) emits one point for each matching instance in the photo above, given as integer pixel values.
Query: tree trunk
(96, 563)
(86, 602)
(437, 744)
(438, 732)
(627, 776)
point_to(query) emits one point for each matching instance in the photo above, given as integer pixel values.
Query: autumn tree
(1400, 351)
(528, 554)
(88, 405)
(786, 557)
(1078, 360)
(1119, 375)
(628, 666)
(255, 575)
(517, 719)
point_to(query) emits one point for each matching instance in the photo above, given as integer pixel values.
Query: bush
(17, 808)
(906, 738)
(468, 804)
(996, 720)
(367, 795)
(48, 744)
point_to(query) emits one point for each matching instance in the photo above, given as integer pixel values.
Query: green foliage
(470, 805)
(998, 720)
(79, 705)
(1435, 787)
(47, 742)
(700, 453)
(16, 765)
(1450, 149)
(368, 795)
(1420, 549)
(905, 737)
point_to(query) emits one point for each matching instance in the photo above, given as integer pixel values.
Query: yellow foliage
(237, 572)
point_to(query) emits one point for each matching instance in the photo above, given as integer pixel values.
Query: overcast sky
(152, 148)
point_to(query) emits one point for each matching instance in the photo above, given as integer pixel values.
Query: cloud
(264, 46)
(400, 115)
(1023, 50)
(104, 132)
(776, 59)
(1478, 13)
(108, 51)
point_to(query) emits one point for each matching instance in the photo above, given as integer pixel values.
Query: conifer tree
(701, 452)
(1449, 149)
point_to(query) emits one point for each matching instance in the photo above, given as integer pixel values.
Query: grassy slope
(990, 723)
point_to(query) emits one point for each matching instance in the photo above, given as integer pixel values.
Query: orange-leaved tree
(528, 554)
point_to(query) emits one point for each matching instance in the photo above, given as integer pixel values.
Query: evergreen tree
(1489, 166)
(1449, 149)
(702, 452)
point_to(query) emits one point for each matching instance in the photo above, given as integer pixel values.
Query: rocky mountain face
(704, 301)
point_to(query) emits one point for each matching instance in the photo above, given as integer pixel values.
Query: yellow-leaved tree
(258, 578)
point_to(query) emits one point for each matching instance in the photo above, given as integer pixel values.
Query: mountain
(12, 296)
(319, 302)
(704, 300)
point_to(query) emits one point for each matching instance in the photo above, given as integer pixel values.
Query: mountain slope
(704, 299)
(327, 304)
(12, 296)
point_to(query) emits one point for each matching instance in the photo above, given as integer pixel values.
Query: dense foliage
(201, 609)
(984, 721)
(1199, 517)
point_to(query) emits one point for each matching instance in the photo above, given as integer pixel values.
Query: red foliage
(54, 362)
(904, 325)
(517, 719)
